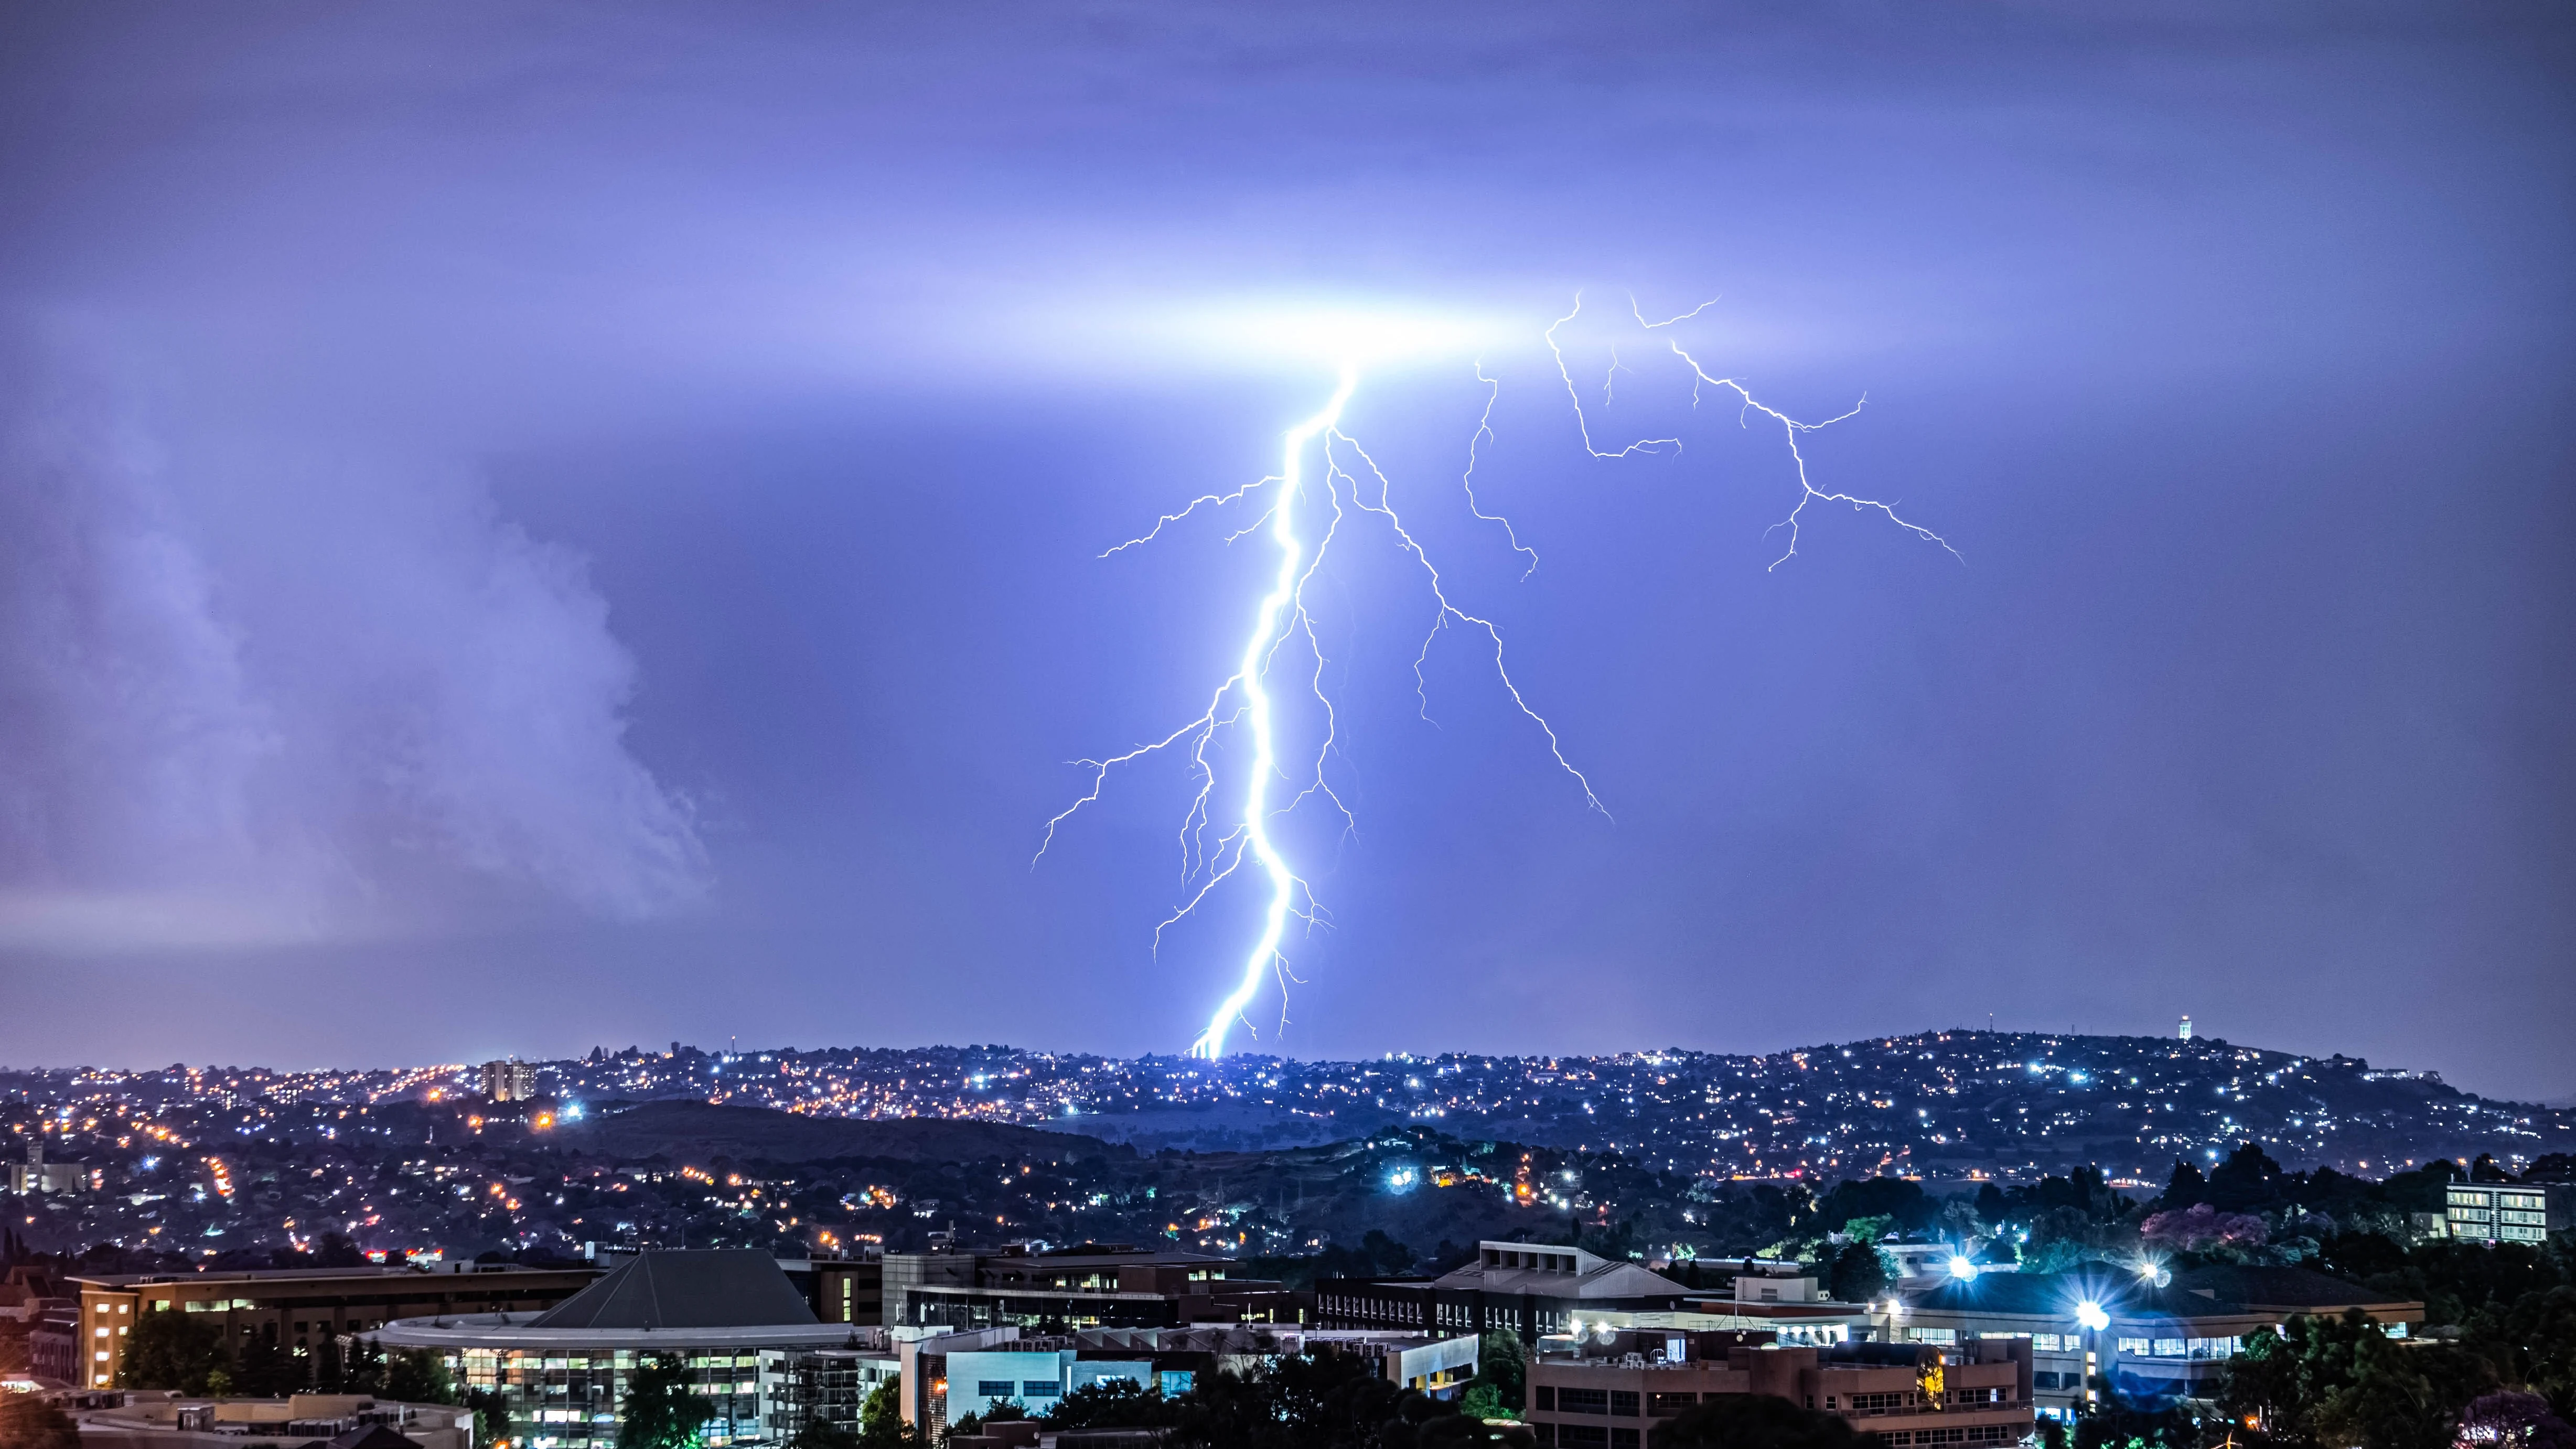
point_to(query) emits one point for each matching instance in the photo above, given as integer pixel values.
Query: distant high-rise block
(37, 1175)
(510, 1081)
(2185, 1033)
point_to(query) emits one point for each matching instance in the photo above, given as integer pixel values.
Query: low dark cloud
(285, 725)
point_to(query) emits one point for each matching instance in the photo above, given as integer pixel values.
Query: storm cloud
(582, 522)
(296, 699)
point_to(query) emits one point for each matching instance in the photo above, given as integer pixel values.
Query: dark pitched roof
(2194, 1292)
(372, 1436)
(2274, 1287)
(703, 1288)
(2052, 1295)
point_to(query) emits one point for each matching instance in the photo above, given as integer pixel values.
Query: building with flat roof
(1607, 1390)
(298, 1308)
(2508, 1212)
(508, 1081)
(1533, 1289)
(729, 1316)
(62, 1175)
(1092, 1285)
(847, 1289)
(945, 1377)
(340, 1421)
(802, 1386)
(2152, 1344)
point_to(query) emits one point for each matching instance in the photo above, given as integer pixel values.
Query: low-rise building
(1785, 1300)
(729, 1317)
(2150, 1343)
(298, 1309)
(1607, 1390)
(2509, 1212)
(946, 1377)
(343, 1421)
(1533, 1289)
(1094, 1285)
(54, 1344)
(825, 1385)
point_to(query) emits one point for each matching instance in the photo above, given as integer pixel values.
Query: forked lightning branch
(1326, 477)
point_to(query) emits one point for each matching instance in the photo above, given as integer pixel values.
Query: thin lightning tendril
(1583, 424)
(1448, 611)
(1244, 699)
(1790, 428)
(1485, 434)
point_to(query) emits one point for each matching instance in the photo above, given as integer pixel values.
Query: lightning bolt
(1350, 480)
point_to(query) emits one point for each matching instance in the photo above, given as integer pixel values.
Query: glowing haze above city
(523, 529)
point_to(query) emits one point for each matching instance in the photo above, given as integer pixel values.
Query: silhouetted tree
(169, 1349)
(2185, 1187)
(1111, 1404)
(881, 1424)
(2248, 1181)
(1858, 1273)
(659, 1410)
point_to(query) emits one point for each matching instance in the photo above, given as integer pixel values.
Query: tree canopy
(659, 1410)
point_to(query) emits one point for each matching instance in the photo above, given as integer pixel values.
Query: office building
(946, 1377)
(2153, 1344)
(2509, 1212)
(509, 1081)
(802, 1386)
(847, 1290)
(1532, 1289)
(1607, 1390)
(1094, 1285)
(299, 1308)
(54, 1351)
(730, 1317)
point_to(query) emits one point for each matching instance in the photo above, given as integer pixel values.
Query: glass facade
(569, 1400)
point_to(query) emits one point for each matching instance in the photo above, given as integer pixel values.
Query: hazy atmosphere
(524, 528)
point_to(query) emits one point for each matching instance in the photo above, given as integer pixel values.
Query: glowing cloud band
(1281, 612)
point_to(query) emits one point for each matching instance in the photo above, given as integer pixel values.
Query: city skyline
(527, 529)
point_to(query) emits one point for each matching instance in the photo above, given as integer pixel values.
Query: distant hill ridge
(702, 1131)
(1942, 1103)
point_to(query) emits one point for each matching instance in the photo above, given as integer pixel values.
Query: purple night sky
(532, 526)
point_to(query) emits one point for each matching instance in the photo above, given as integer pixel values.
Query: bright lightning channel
(1244, 697)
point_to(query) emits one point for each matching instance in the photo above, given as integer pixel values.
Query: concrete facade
(1609, 1394)
(299, 1308)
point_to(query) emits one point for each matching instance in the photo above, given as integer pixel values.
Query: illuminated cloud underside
(1348, 474)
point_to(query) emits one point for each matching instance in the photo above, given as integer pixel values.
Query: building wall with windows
(2509, 1212)
(509, 1081)
(732, 1319)
(849, 1290)
(36, 1175)
(1612, 1396)
(825, 1385)
(948, 1376)
(563, 1388)
(2151, 1341)
(299, 1309)
(1092, 1286)
(1531, 1289)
